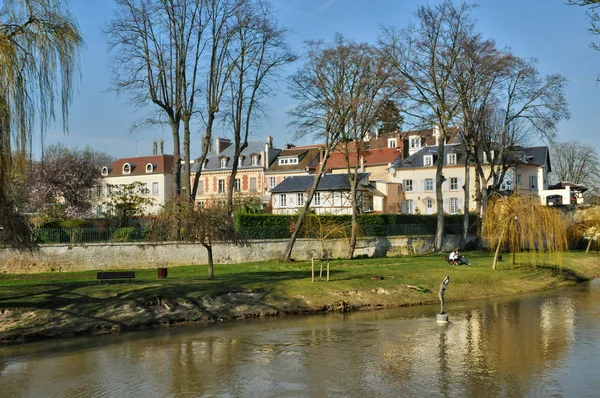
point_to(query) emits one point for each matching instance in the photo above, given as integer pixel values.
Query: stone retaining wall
(84, 257)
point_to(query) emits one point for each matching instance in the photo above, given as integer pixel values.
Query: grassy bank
(37, 306)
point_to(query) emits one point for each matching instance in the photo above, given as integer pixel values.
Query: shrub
(127, 234)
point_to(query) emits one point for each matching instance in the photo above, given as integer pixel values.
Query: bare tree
(179, 219)
(593, 16)
(368, 74)
(157, 47)
(425, 55)
(575, 162)
(257, 53)
(324, 107)
(40, 44)
(527, 106)
(478, 74)
(223, 27)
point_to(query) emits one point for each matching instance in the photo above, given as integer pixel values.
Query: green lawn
(37, 303)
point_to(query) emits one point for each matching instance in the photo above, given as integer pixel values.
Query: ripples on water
(539, 345)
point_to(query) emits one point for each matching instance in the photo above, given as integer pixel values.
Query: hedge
(270, 226)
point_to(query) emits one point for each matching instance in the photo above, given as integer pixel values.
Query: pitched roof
(305, 158)
(416, 159)
(537, 155)
(371, 157)
(160, 164)
(256, 147)
(427, 137)
(328, 182)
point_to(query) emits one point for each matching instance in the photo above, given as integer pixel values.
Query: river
(539, 345)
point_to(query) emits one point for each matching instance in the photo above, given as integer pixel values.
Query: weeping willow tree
(588, 227)
(519, 223)
(39, 54)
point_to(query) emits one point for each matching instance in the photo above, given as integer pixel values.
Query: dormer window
(415, 142)
(255, 160)
(127, 168)
(223, 162)
(451, 158)
(105, 170)
(392, 143)
(288, 160)
(241, 160)
(428, 160)
(149, 168)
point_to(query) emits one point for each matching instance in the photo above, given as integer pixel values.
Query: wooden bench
(116, 275)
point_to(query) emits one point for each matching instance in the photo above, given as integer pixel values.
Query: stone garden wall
(83, 257)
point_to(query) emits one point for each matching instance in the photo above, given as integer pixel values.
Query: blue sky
(548, 30)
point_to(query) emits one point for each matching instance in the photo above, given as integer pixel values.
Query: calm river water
(543, 345)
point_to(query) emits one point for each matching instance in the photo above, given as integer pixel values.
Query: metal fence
(131, 234)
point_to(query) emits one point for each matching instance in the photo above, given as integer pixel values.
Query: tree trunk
(187, 176)
(211, 268)
(439, 196)
(205, 148)
(465, 229)
(354, 229)
(302, 215)
(176, 159)
(587, 249)
(498, 249)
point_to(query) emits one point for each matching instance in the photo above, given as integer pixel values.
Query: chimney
(436, 134)
(362, 164)
(269, 141)
(376, 133)
(221, 144)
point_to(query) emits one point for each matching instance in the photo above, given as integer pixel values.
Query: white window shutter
(460, 183)
(460, 203)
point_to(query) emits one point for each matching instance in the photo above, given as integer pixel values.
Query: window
(255, 160)
(451, 158)
(105, 171)
(126, 168)
(99, 190)
(288, 161)
(122, 188)
(236, 185)
(223, 162)
(317, 199)
(429, 184)
(145, 190)
(392, 143)
(149, 168)
(428, 160)
(271, 183)
(408, 185)
(200, 187)
(429, 204)
(110, 189)
(300, 199)
(155, 188)
(415, 142)
(221, 186)
(282, 200)
(518, 179)
(453, 183)
(453, 205)
(409, 207)
(253, 184)
(240, 161)
(201, 204)
(532, 182)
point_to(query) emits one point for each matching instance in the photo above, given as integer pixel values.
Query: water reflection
(538, 345)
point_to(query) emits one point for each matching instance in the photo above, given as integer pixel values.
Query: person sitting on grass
(453, 257)
(456, 258)
(460, 259)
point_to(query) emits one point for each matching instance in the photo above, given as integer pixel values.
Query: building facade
(216, 171)
(154, 173)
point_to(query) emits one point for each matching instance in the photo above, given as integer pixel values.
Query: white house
(155, 173)
(331, 197)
